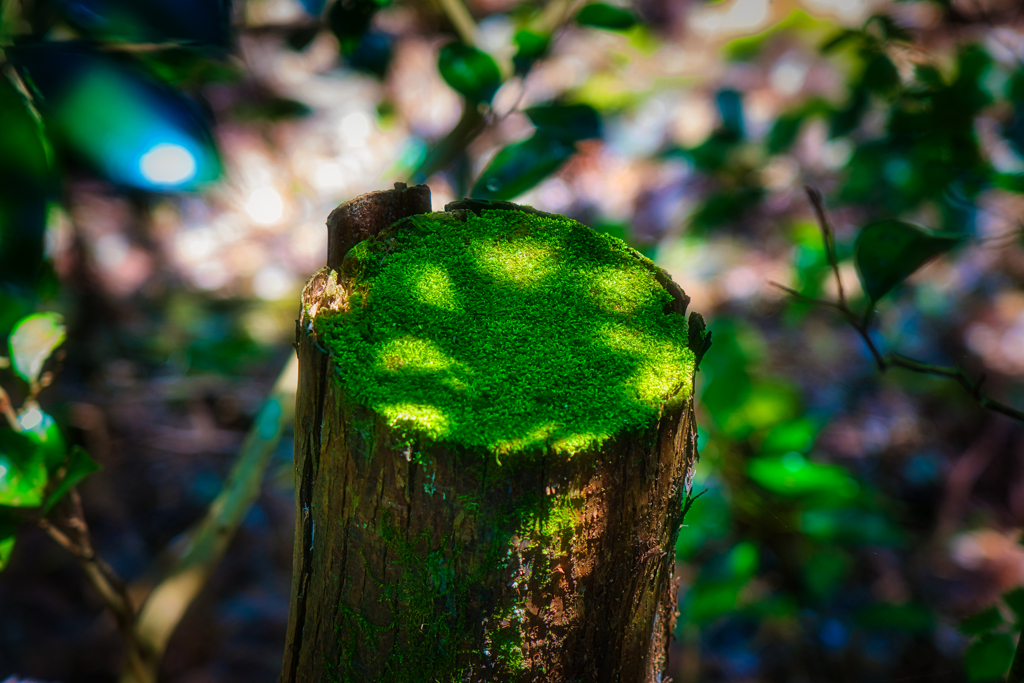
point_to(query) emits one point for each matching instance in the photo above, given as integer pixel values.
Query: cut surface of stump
(494, 436)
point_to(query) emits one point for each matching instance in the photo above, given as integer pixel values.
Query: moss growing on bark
(507, 330)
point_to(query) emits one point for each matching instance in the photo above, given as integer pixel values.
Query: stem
(8, 410)
(207, 543)
(1016, 674)
(862, 324)
(461, 19)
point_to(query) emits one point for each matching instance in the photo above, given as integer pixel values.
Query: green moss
(507, 330)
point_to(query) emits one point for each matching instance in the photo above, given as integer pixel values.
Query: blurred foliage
(829, 544)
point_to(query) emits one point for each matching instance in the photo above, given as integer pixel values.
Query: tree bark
(438, 563)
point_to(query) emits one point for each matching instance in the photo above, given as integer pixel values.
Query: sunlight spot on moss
(423, 417)
(433, 286)
(522, 261)
(410, 353)
(622, 291)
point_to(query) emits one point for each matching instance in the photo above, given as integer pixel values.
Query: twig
(461, 19)
(165, 606)
(8, 410)
(689, 501)
(862, 324)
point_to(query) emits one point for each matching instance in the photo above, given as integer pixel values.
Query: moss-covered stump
(494, 437)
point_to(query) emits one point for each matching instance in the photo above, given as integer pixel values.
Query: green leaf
(470, 72)
(22, 471)
(784, 132)
(989, 657)
(80, 466)
(911, 618)
(530, 46)
(794, 475)
(889, 251)
(880, 74)
(8, 528)
(838, 40)
(567, 123)
(32, 341)
(982, 622)
(520, 166)
(1015, 601)
(42, 430)
(602, 15)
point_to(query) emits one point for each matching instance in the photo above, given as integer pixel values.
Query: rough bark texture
(433, 562)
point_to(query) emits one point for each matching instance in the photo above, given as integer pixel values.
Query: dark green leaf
(730, 109)
(838, 40)
(109, 113)
(8, 528)
(784, 132)
(80, 465)
(845, 120)
(982, 622)
(22, 471)
(567, 123)
(601, 15)
(910, 617)
(520, 166)
(152, 21)
(530, 46)
(1015, 601)
(989, 657)
(880, 74)
(887, 252)
(27, 182)
(470, 72)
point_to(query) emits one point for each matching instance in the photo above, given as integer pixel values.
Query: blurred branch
(207, 543)
(8, 410)
(862, 325)
(461, 19)
(470, 125)
(112, 590)
(554, 15)
(1016, 674)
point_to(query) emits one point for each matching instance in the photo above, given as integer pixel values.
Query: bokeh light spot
(168, 164)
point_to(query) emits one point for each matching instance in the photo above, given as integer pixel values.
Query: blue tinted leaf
(80, 465)
(887, 252)
(152, 21)
(469, 71)
(602, 15)
(989, 657)
(520, 166)
(568, 123)
(133, 130)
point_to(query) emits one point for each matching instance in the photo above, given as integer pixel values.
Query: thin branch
(461, 19)
(207, 543)
(8, 410)
(828, 235)
(862, 325)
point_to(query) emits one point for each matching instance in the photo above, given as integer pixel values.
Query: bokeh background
(852, 521)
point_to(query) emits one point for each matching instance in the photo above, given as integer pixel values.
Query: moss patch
(507, 330)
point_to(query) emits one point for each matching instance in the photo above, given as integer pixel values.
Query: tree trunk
(452, 566)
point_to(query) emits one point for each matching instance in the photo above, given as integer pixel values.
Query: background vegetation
(166, 171)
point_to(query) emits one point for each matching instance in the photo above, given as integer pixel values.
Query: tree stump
(473, 505)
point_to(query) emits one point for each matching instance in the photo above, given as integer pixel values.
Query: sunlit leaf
(982, 622)
(80, 465)
(110, 114)
(796, 435)
(469, 71)
(609, 17)
(989, 657)
(520, 166)
(794, 475)
(887, 252)
(32, 341)
(43, 431)
(8, 528)
(22, 471)
(151, 21)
